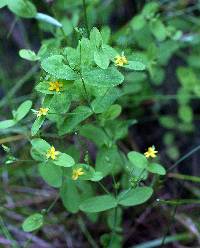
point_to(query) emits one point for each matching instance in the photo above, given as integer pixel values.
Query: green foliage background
(102, 120)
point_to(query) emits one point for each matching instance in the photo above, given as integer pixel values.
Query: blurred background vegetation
(164, 101)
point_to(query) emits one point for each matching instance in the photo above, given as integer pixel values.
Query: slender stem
(128, 190)
(18, 85)
(115, 184)
(103, 187)
(26, 161)
(86, 233)
(85, 16)
(114, 228)
(7, 234)
(169, 240)
(52, 204)
(12, 27)
(12, 138)
(169, 225)
(184, 157)
(86, 93)
(83, 82)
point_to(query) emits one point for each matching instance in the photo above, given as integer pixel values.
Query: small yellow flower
(57, 86)
(42, 111)
(76, 173)
(52, 153)
(120, 60)
(151, 152)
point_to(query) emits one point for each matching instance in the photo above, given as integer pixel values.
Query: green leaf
(40, 146)
(112, 113)
(64, 160)
(73, 57)
(51, 174)
(111, 238)
(60, 103)
(33, 222)
(96, 176)
(55, 66)
(101, 59)
(86, 50)
(70, 196)
(138, 22)
(95, 37)
(22, 8)
(103, 78)
(135, 65)
(109, 51)
(158, 30)
(187, 77)
(150, 9)
(77, 116)
(106, 33)
(185, 113)
(37, 125)
(107, 160)
(3, 3)
(37, 156)
(135, 196)
(168, 121)
(138, 159)
(156, 168)
(95, 134)
(69, 23)
(103, 102)
(23, 110)
(98, 204)
(28, 55)
(7, 123)
(118, 129)
(48, 19)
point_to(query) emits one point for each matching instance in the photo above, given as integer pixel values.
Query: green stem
(169, 225)
(104, 188)
(115, 184)
(52, 204)
(114, 228)
(85, 17)
(7, 234)
(86, 233)
(86, 93)
(184, 177)
(12, 27)
(184, 157)
(169, 239)
(139, 178)
(18, 85)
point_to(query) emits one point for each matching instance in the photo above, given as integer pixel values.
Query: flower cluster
(55, 86)
(52, 153)
(42, 112)
(76, 173)
(120, 60)
(151, 152)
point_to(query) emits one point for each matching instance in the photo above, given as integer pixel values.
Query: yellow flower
(120, 60)
(151, 152)
(52, 153)
(42, 111)
(57, 86)
(76, 173)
